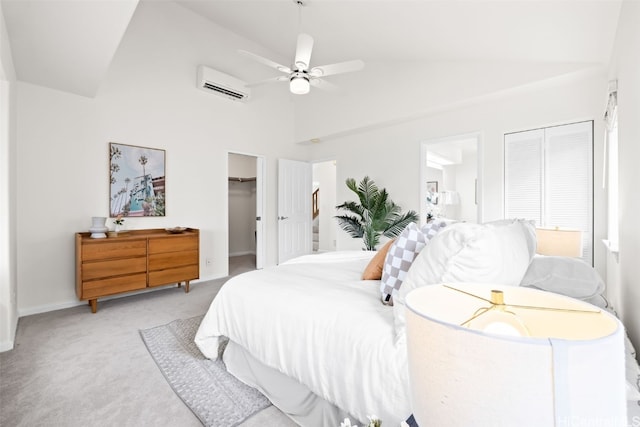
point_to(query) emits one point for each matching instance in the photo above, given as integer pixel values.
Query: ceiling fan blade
(267, 62)
(339, 68)
(303, 51)
(323, 84)
(271, 80)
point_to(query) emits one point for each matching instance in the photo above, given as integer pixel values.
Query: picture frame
(432, 192)
(137, 181)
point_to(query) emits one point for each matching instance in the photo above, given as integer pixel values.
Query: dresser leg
(94, 305)
(186, 287)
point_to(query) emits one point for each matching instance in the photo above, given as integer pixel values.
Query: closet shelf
(240, 179)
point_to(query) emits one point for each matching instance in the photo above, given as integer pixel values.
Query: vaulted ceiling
(68, 45)
(428, 30)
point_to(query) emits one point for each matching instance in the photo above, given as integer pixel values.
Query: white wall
(149, 98)
(8, 240)
(242, 166)
(433, 174)
(242, 218)
(418, 89)
(623, 277)
(394, 162)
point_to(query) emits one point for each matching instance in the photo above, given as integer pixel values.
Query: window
(549, 178)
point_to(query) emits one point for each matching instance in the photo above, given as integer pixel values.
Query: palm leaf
(368, 193)
(351, 225)
(352, 207)
(374, 216)
(398, 223)
(370, 239)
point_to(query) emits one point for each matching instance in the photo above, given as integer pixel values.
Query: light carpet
(216, 397)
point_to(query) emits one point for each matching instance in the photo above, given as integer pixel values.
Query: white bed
(314, 321)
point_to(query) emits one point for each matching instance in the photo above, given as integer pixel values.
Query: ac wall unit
(222, 84)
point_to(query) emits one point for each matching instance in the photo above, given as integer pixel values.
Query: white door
(259, 212)
(294, 209)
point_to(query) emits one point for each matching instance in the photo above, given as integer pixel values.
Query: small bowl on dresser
(176, 230)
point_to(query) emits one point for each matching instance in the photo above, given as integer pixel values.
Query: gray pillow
(563, 275)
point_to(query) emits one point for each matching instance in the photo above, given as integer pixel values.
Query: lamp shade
(559, 242)
(569, 370)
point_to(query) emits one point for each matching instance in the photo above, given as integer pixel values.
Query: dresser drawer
(113, 285)
(172, 259)
(173, 244)
(134, 261)
(114, 267)
(173, 275)
(114, 249)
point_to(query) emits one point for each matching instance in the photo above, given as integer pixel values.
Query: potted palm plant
(376, 215)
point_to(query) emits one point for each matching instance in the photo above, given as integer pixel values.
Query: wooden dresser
(136, 259)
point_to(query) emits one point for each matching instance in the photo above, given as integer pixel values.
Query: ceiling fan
(301, 76)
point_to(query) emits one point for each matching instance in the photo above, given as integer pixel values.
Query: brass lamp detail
(498, 317)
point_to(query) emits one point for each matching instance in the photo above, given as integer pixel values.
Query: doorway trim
(328, 229)
(479, 137)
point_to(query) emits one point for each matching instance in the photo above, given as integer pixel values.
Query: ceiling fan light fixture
(299, 85)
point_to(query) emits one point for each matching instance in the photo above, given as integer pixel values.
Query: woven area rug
(216, 397)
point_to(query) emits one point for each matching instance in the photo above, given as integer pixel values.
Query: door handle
(283, 217)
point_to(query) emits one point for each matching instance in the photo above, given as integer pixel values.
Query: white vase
(98, 228)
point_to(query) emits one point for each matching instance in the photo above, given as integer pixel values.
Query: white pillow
(529, 231)
(563, 275)
(463, 252)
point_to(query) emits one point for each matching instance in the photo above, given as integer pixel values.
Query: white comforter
(322, 326)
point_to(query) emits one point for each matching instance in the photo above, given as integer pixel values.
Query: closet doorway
(324, 206)
(245, 212)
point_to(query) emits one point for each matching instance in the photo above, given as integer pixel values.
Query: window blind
(549, 178)
(523, 175)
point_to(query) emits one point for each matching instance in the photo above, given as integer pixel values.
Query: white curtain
(610, 169)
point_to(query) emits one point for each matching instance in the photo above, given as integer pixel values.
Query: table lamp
(559, 242)
(488, 355)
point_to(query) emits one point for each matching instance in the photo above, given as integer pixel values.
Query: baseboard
(242, 253)
(75, 303)
(6, 346)
(49, 307)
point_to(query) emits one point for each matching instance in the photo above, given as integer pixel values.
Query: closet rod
(239, 179)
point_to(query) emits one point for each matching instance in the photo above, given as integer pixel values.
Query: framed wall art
(137, 181)
(432, 192)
